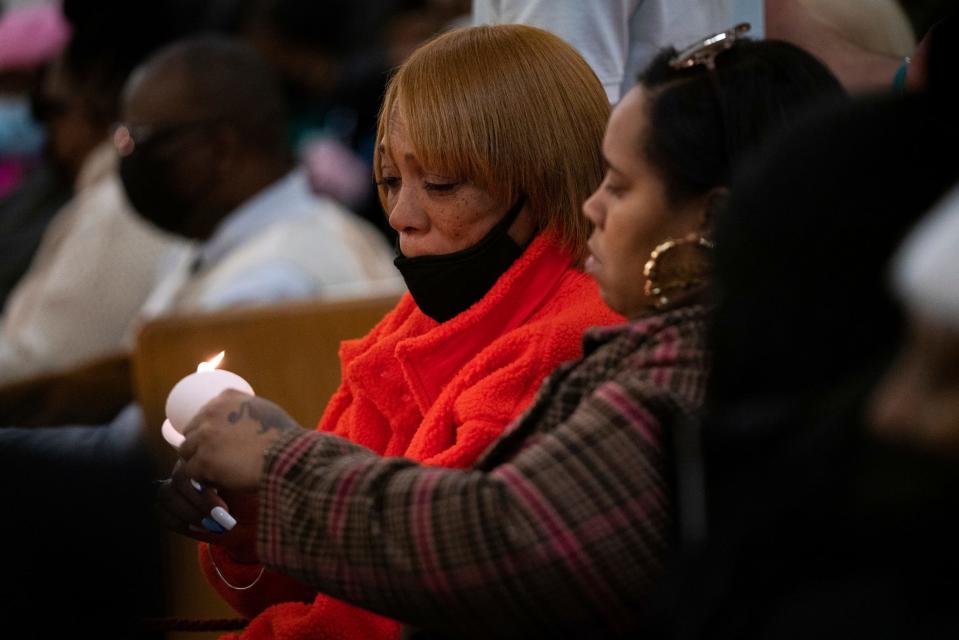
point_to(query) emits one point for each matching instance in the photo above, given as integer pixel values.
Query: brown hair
(511, 108)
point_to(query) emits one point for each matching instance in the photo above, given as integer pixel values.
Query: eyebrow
(382, 149)
(610, 165)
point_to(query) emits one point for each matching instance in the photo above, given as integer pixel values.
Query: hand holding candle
(190, 394)
(187, 397)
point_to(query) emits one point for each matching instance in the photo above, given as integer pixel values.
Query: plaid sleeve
(566, 536)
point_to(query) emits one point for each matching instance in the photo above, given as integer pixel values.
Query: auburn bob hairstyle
(512, 109)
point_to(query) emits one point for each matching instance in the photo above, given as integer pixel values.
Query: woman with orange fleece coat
(439, 393)
(496, 301)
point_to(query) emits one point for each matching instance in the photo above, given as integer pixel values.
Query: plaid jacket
(560, 529)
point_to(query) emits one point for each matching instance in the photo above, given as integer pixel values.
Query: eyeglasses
(705, 51)
(127, 137)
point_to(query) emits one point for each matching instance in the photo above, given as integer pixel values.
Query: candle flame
(212, 363)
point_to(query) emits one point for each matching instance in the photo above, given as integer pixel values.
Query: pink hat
(31, 35)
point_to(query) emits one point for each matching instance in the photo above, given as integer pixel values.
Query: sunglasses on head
(704, 52)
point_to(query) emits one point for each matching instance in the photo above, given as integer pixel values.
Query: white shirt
(284, 243)
(91, 274)
(618, 38)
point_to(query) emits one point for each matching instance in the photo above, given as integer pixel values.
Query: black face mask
(444, 286)
(148, 176)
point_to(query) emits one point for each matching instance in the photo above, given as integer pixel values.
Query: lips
(592, 263)
(592, 257)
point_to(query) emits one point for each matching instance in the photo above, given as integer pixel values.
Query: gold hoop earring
(673, 269)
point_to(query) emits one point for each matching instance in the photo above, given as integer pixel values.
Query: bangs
(513, 110)
(452, 121)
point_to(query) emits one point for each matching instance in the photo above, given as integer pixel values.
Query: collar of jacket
(655, 341)
(644, 328)
(430, 360)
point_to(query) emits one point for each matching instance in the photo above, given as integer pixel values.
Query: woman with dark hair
(814, 526)
(564, 524)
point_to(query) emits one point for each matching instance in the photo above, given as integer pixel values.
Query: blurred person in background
(917, 404)
(97, 260)
(30, 37)
(617, 37)
(864, 42)
(203, 155)
(797, 520)
(871, 45)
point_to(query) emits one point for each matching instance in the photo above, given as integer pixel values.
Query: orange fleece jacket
(439, 393)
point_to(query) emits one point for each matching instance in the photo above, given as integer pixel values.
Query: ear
(714, 205)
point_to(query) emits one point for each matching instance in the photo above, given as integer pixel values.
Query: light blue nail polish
(212, 525)
(223, 518)
(197, 486)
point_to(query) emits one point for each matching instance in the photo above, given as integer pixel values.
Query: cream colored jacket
(92, 272)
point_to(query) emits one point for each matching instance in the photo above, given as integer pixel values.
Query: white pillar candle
(171, 435)
(187, 397)
(190, 394)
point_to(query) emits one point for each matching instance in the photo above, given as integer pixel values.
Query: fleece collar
(430, 360)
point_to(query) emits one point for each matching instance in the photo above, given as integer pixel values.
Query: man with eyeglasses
(204, 155)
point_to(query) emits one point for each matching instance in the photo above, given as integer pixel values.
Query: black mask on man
(148, 177)
(446, 285)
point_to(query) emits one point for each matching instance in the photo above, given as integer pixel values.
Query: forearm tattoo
(268, 416)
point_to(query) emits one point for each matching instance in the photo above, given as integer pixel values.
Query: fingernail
(212, 526)
(193, 527)
(223, 517)
(196, 485)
